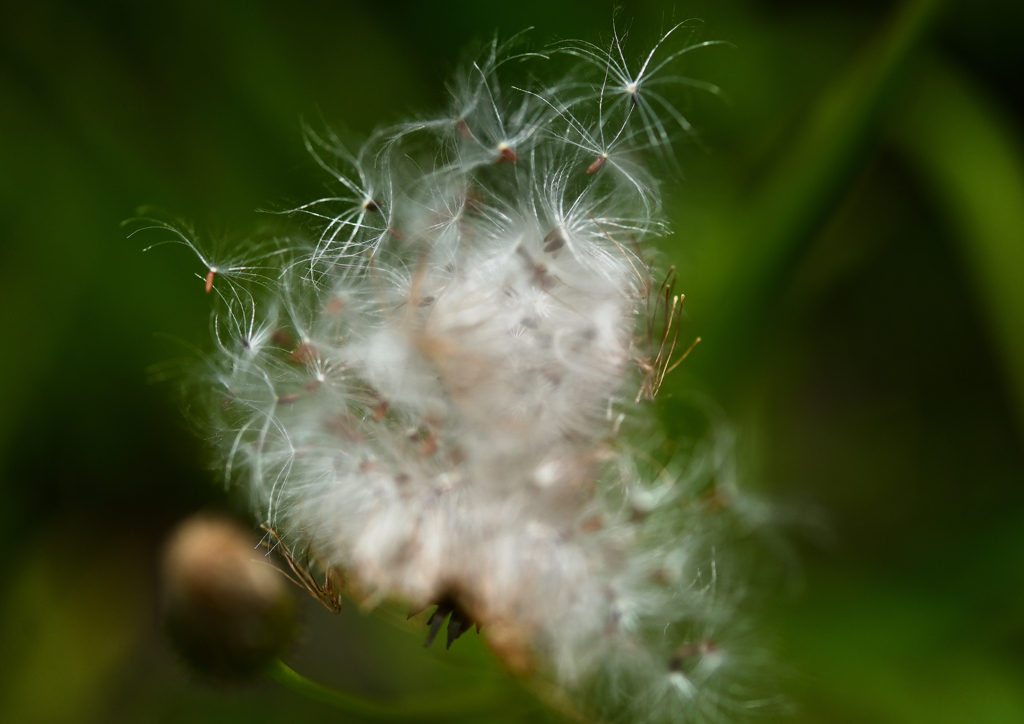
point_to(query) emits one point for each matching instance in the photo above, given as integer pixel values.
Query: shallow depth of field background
(849, 234)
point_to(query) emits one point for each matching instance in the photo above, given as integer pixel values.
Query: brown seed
(429, 446)
(688, 652)
(345, 428)
(304, 354)
(715, 499)
(597, 164)
(507, 154)
(553, 241)
(456, 456)
(283, 337)
(334, 305)
(508, 640)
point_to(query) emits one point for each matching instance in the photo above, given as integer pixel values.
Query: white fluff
(431, 395)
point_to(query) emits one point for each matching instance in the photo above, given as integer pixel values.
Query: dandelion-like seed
(433, 400)
(636, 90)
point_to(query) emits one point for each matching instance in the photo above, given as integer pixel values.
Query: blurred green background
(849, 233)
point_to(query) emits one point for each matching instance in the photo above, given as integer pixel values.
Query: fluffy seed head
(434, 395)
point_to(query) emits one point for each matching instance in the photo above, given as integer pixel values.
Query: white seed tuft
(434, 395)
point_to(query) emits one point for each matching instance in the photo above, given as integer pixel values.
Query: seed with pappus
(443, 397)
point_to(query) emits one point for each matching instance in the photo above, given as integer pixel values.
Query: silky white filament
(435, 396)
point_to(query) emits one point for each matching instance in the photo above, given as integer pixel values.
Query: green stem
(433, 709)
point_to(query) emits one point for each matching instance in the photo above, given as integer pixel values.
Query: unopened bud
(227, 611)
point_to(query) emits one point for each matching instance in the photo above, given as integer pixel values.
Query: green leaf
(973, 165)
(758, 242)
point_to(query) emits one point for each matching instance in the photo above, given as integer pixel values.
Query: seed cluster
(431, 399)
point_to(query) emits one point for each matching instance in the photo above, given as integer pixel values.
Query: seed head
(435, 399)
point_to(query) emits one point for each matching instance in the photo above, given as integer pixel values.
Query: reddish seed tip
(209, 279)
(507, 154)
(715, 500)
(345, 428)
(334, 305)
(283, 338)
(429, 446)
(597, 164)
(464, 130)
(304, 354)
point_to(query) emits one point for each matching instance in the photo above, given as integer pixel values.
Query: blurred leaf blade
(68, 624)
(902, 655)
(974, 167)
(761, 239)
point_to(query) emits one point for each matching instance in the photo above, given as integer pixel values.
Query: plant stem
(358, 707)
